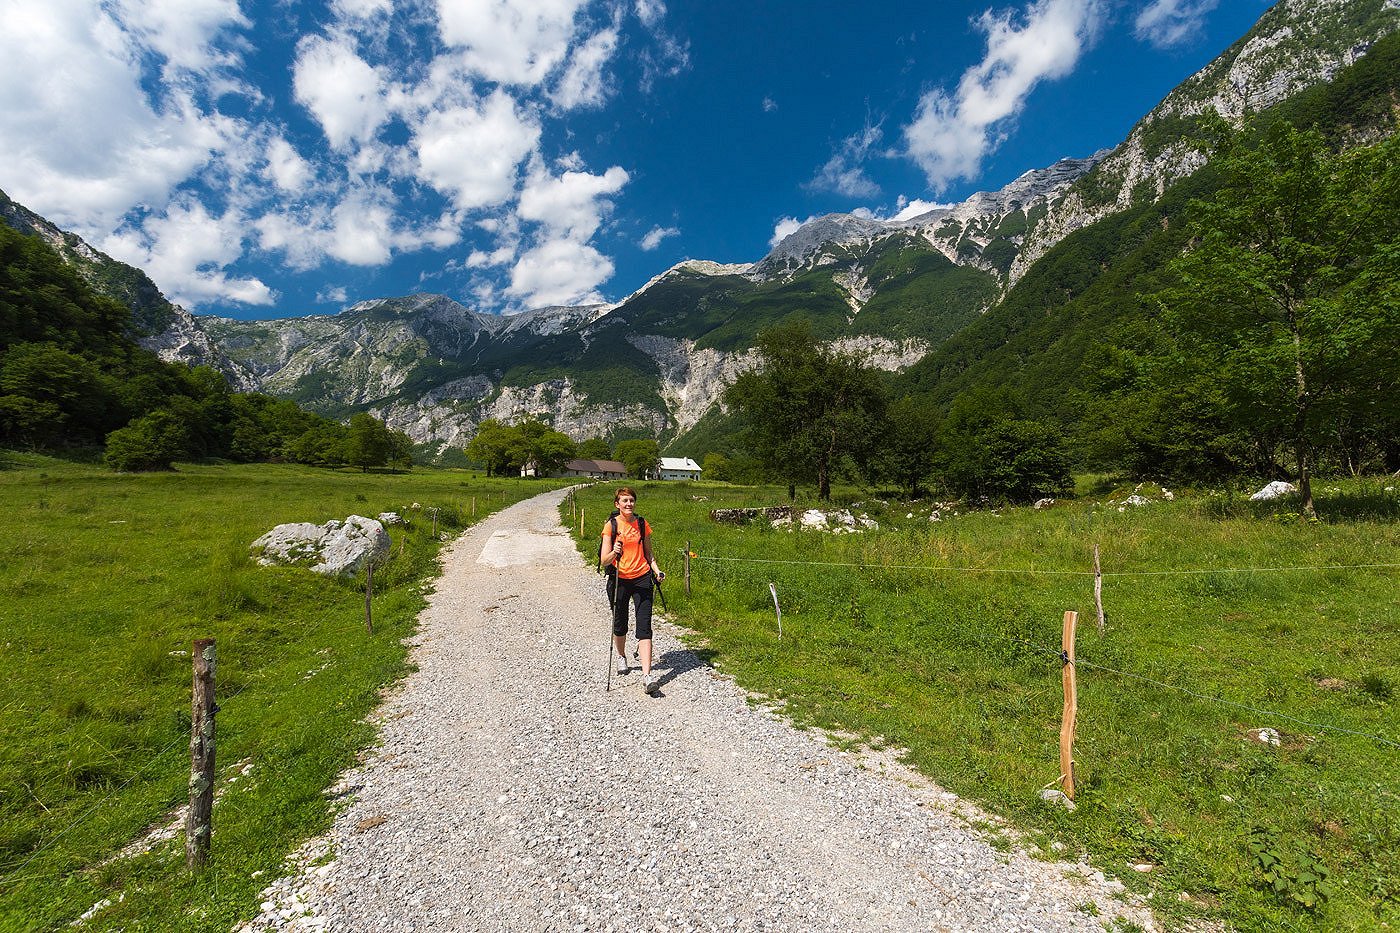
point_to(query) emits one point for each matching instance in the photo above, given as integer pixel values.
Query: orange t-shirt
(633, 562)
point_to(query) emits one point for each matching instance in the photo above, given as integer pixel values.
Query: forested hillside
(72, 377)
(1075, 342)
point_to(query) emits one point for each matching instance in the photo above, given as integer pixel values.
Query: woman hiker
(627, 548)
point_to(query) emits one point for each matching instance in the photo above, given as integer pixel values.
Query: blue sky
(271, 158)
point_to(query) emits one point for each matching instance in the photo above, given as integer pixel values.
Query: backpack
(611, 569)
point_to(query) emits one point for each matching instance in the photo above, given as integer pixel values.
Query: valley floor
(509, 791)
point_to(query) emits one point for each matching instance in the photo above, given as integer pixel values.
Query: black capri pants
(638, 590)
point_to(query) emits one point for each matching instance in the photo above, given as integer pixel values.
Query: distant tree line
(72, 376)
(505, 449)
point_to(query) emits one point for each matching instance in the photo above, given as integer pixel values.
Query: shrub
(151, 442)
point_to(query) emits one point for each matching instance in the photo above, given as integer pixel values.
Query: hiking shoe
(622, 667)
(650, 682)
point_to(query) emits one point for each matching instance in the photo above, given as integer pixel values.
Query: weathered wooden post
(435, 511)
(687, 568)
(580, 522)
(1071, 705)
(773, 588)
(199, 828)
(473, 506)
(369, 594)
(1098, 588)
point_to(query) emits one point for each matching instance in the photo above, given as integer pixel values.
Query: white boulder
(390, 518)
(336, 548)
(1044, 503)
(813, 518)
(1275, 490)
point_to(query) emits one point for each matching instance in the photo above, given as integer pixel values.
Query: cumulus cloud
(112, 149)
(343, 92)
(786, 227)
(1166, 23)
(509, 41)
(559, 272)
(332, 295)
(583, 84)
(186, 250)
(650, 12)
(473, 153)
(952, 133)
(286, 168)
(844, 172)
(183, 31)
(571, 205)
(654, 237)
(910, 209)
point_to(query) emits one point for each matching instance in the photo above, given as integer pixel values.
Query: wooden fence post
(1071, 705)
(1098, 588)
(435, 511)
(473, 506)
(580, 522)
(369, 593)
(773, 588)
(687, 567)
(199, 829)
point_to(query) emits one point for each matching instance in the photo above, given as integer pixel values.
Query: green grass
(105, 580)
(959, 666)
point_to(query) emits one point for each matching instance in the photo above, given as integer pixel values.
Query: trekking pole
(612, 611)
(662, 593)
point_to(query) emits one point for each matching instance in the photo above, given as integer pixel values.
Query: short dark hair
(625, 491)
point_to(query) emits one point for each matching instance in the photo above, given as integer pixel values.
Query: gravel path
(510, 792)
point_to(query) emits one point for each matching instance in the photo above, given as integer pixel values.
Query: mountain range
(655, 363)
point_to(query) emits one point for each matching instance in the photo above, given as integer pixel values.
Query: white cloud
(650, 12)
(343, 92)
(910, 209)
(1165, 23)
(571, 205)
(286, 168)
(559, 272)
(786, 227)
(654, 237)
(361, 9)
(110, 149)
(332, 295)
(843, 172)
(769, 104)
(950, 135)
(472, 153)
(583, 84)
(186, 250)
(500, 256)
(183, 30)
(509, 41)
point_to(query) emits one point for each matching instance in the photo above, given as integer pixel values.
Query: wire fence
(1060, 656)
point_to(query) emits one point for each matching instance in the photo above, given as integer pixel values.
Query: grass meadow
(105, 580)
(943, 639)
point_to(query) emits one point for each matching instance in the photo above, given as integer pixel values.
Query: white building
(679, 468)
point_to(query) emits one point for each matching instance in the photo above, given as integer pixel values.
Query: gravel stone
(510, 792)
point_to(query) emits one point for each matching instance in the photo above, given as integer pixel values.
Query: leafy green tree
(534, 442)
(715, 466)
(53, 395)
(322, 444)
(908, 441)
(490, 446)
(807, 408)
(1003, 458)
(367, 442)
(400, 451)
(1290, 296)
(152, 442)
(594, 448)
(641, 457)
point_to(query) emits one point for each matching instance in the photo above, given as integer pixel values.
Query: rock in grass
(335, 549)
(1057, 798)
(1275, 490)
(1264, 736)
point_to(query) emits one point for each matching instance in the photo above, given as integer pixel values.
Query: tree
(715, 466)
(490, 446)
(1290, 295)
(907, 444)
(639, 456)
(1004, 458)
(594, 448)
(808, 408)
(151, 442)
(367, 443)
(535, 442)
